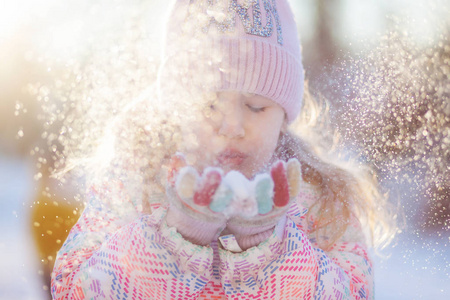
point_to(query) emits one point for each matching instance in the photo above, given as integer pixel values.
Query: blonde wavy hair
(347, 187)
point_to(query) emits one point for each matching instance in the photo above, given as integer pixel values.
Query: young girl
(233, 222)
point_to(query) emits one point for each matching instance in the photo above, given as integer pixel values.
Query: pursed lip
(231, 157)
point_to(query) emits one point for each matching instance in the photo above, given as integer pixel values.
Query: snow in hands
(232, 194)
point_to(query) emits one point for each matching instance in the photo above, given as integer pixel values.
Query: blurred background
(67, 67)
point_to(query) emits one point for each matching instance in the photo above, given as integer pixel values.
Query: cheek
(268, 145)
(200, 143)
(268, 139)
(209, 141)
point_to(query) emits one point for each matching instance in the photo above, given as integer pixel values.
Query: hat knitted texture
(249, 45)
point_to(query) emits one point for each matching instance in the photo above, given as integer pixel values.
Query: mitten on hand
(273, 193)
(189, 196)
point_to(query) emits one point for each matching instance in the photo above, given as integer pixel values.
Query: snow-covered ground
(19, 266)
(418, 267)
(415, 269)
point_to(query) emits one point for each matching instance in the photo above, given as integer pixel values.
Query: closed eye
(256, 109)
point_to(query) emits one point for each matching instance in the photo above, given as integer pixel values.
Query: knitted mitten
(200, 206)
(272, 193)
(189, 196)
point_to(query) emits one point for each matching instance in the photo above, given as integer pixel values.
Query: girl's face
(237, 132)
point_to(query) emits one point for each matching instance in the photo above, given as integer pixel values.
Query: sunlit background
(67, 67)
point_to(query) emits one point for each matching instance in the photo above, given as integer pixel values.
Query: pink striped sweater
(115, 251)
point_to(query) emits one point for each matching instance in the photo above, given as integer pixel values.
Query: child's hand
(190, 196)
(273, 194)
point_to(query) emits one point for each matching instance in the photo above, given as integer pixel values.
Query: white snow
(244, 201)
(19, 266)
(417, 268)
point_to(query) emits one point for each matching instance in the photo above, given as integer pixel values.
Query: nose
(231, 125)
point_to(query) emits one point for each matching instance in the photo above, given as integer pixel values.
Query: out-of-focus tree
(19, 126)
(323, 49)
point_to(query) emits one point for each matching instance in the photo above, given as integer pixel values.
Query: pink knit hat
(241, 45)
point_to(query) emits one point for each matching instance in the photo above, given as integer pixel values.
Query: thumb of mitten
(189, 195)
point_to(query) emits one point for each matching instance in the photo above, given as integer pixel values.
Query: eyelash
(251, 108)
(256, 109)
